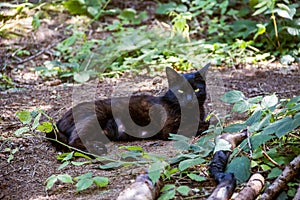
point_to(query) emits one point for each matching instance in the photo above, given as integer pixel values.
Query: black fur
(90, 116)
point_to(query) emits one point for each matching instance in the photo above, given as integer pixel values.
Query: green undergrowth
(273, 141)
(187, 34)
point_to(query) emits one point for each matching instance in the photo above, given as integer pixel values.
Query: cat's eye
(180, 91)
(197, 90)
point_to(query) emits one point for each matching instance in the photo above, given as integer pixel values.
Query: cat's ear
(204, 70)
(172, 75)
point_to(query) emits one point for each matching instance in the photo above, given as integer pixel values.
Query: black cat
(89, 125)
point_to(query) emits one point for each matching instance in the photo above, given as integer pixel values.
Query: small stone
(156, 80)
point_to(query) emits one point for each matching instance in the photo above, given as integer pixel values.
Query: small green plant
(83, 181)
(31, 122)
(5, 82)
(11, 153)
(180, 25)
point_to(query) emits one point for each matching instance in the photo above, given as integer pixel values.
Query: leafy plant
(284, 25)
(86, 7)
(130, 16)
(180, 25)
(273, 125)
(31, 122)
(83, 181)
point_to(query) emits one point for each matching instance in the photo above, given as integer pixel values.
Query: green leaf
(45, 127)
(275, 172)
(240, 106)
(296, 121)
(196, 177)
(22, 130)
(189, 163)
(65, 178)
(183, 190)
(111, 165)
(83, 184)
(254, 118)
(232, 96)
(128, 14)
(63, 165)
(259, 139)
(285, 127)
(178, 137)
(81, 77)
(65, 44)
(269, 101)
(168, 192)
(75, 6)
(240, 166)
(132, 148)
(80, 163)
(264, 122)
(93, 11)
(265, 167)
(10, 158)
(182, 145)
(261, 29)
(51, 181)
(101, 181)
(222, 145)
(78, 154)
(293, 31)
(36, 23)
(181, 157)
(36, 121)
(280, 127)
(165, 8)
(88, 175)
(203, 146)
(255, 99)
(68, 156)
(285, 12)
(234, 128)
(260, 10)
(24, 116)
(155, 170)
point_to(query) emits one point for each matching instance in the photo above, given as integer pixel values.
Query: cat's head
(187, 87)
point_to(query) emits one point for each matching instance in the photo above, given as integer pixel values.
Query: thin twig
(270, 159)
(249, 142)
(40, 52)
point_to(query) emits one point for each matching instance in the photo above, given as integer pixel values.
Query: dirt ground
(24, 176)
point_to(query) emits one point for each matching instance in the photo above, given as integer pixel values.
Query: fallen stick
(290, 171)
(226, 181)
(252, 189)
(141, 189)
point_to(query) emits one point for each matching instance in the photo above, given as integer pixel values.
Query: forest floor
(25, 175)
